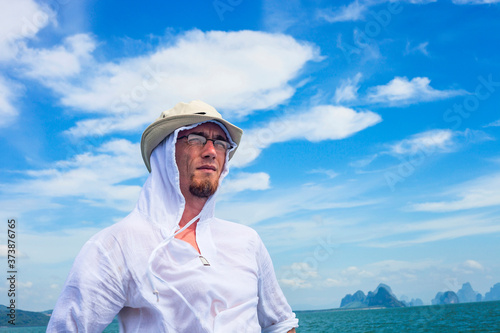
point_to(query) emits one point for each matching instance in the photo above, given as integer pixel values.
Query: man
(170, 265)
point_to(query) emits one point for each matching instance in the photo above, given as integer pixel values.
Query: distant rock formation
(358, 297)
(23, 318)
(382, 296)
(467, 295)
(448, 297)
(493, 294)
(416, 302)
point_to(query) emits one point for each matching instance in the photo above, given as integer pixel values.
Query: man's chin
(203, 189)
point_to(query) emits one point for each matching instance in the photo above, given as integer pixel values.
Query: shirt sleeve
(275, 315)
(94, 291)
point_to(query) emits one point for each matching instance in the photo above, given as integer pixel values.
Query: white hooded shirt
(237, 292)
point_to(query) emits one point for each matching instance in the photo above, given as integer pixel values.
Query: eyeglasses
(200, 141)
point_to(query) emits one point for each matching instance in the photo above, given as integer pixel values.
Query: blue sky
(370, 151)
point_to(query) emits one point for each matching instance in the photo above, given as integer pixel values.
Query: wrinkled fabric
(238, 292)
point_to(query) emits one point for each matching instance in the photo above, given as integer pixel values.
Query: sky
(370, 151)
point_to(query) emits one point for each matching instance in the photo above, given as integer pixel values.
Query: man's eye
(195, 141)
(219, 145)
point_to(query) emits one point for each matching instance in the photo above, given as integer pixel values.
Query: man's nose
(209, 149)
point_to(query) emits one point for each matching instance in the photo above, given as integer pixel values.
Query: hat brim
(162, 128)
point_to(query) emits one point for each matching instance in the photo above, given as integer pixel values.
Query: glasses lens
(221, 145)
(199, 140)
(196, 140)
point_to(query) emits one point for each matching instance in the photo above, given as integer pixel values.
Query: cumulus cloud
(299, 275)
(8, 92)
(477, 193)
(324, 122)
(422, 145)
(393, 271)
(472, 264)
(60, 61)
(21, 20)
(437, 140)
(245, 181)
(401, 91)
(95, 178)
(236, 72)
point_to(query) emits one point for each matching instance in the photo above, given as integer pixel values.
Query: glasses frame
(227, 146)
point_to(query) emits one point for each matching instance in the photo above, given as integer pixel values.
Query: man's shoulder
(131, 226)
(228, 228)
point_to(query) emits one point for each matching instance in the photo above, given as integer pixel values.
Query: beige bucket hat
(182, 114)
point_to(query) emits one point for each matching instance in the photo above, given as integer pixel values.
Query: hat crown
(193, 107)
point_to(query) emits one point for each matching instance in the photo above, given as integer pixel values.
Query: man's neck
(193, 207)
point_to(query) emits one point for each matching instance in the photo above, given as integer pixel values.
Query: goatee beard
(202, 188)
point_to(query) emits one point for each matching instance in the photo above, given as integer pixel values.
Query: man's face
(200, 167)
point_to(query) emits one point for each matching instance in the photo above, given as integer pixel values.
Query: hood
(161, 200)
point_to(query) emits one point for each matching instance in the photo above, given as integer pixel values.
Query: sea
(466, 317)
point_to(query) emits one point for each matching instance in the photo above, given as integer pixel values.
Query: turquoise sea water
(469, 317)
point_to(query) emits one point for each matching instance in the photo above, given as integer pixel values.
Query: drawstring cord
(151, 274)
(153, 255)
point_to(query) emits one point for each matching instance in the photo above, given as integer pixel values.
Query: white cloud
(295, 283)
(366, 50)
(495, 123)
(23, 285)
(305, 269)
(20, 20)
(348, 90)
(299, 275)
(478, 193)
(401, 91)
(245, 181)
(394, 271)
(434, 230)
(353, 12)
(278, 203)
(236, 72)
(4, 251)
(363, 162)
(474, 2)
(422, 48)
(95, 178)
(430, 141)
(323, 122)
(279, 16)
(8, 92)
(329, 173)
(56, 246)
(473, 265)
(61, 61)
(358, 10)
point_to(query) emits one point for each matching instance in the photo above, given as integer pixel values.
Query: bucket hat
(182, 114)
